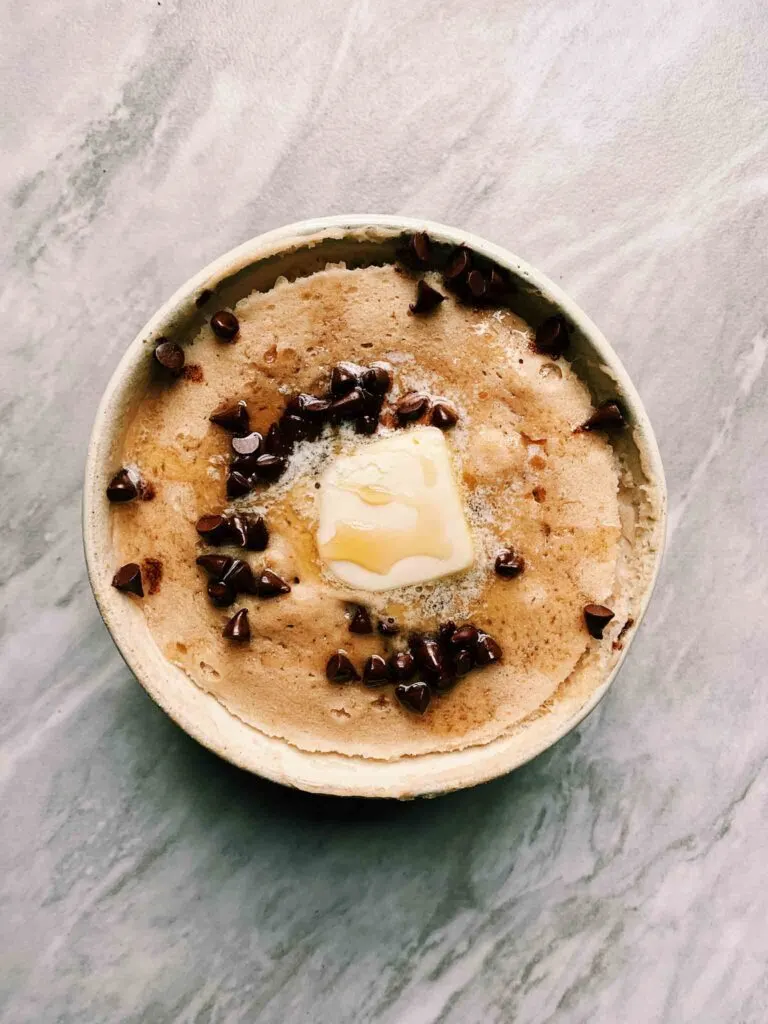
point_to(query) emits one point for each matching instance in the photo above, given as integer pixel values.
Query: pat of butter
(391, 514)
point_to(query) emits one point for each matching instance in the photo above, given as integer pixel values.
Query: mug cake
(376, 512)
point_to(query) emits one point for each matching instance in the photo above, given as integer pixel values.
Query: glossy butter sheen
(391, 514)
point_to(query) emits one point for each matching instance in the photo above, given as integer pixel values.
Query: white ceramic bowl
(294, 250)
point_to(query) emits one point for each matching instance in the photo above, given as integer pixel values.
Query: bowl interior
(297, 251)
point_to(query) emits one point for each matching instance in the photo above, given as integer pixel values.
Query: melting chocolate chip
(429, 655)
(421, 246)
(340, 669)
(237, 484)
(221, 594)
(239, 576)
(153, 573)
(465, 636)
(121, 487)
(360, 622)
(597, 617)
(170, 356)
(275, 443)
(248, 444)
(270, 467)
(607, 416)
(388, 627)
(371, 403)
(459, 265)
(203, 297)
(375, 671)
(349, 406)
(412, 407)
(232, 416)
(256, 532)
(463, 661)
(508, 564)
(225, 325)
(477, 284)
(552, 336)
(128, 579)
(401, 666)
(238, 628)
(366, 424)
(414, 696)
(487, 651)
(427, 298)
(377, 379)
(214, 565)
(443, 416)
(344, 378)
(269, 584)
(443, 681)
(215, 529)
(146, 490)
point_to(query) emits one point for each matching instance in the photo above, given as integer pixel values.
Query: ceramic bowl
(296, 250)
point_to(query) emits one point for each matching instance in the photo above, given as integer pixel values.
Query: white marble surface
(622, 876)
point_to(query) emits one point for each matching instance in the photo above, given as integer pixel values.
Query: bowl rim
(205, 718)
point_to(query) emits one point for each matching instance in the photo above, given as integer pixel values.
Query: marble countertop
(620, 877)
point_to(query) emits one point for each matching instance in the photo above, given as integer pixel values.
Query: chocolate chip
(215, 529)
(412, 406)
(388, 627)
(401, 666)
(239, 576)
(414, 696)
(308, 406)
(237, 628)
(460, 263)
(597, 617)
(445, 632)
(344, 378)
(360, 622)
(607, 416)
(221, 594)
(428, 655)
(233, 417)
(249, 444)
(487, 651)
(121, 487)
(128, 579)
(427, 298)
(203, 297)
(340, 669)
(269, 584)
(498, 284)
(377, 379)
(170, 356)
(477, 284)
(294, 428)
(236, 525)
(421, 246)
(371, 403)
(349, 406)
(270, 467)
(463, 661)
(375, 671)
(245, 464)
(214, 565)
(508, 564)
(443, 681)
(225, 325)
(256, 532)
(275, 443)
(552, 336)
(443, 416)
(366, 424)
(237, 484)
(465, 636)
